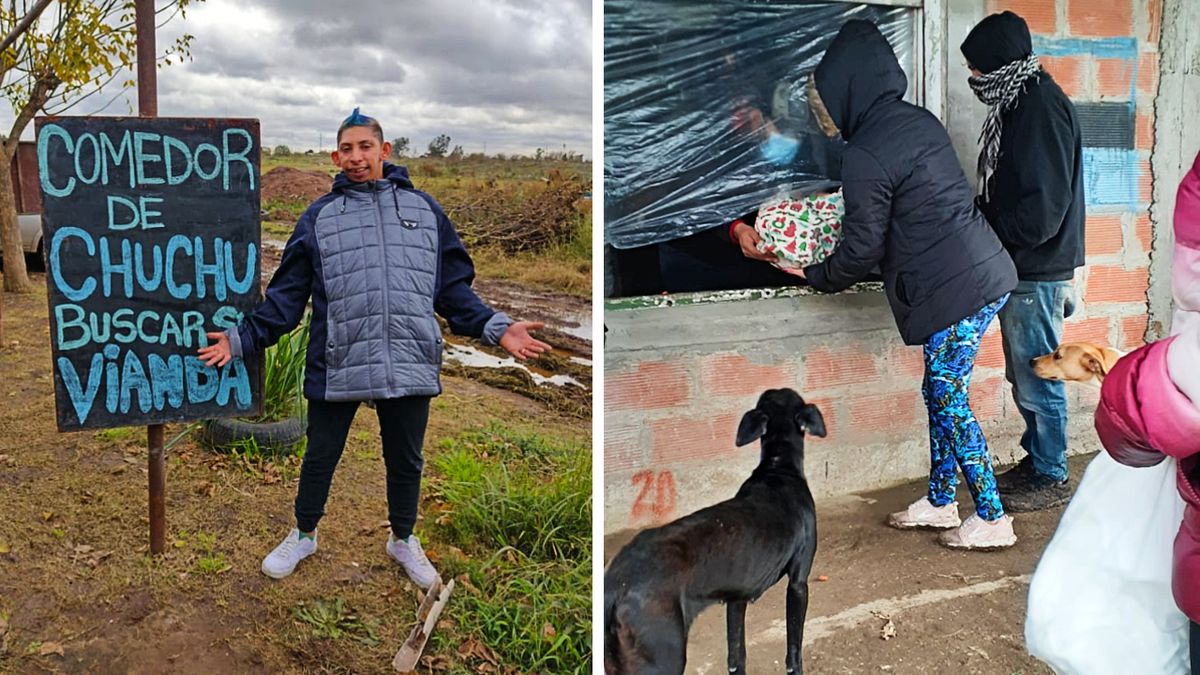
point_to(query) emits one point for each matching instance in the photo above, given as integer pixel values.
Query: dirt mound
(288, 184)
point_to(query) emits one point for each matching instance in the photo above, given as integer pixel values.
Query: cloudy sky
(496, 76)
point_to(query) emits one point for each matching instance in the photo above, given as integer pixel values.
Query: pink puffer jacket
(1150, 404)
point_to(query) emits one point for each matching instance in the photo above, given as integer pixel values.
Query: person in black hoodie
(909, 211)
(1031, 191)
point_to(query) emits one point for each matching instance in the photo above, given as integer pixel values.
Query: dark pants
(402, 428)
(1194, 643)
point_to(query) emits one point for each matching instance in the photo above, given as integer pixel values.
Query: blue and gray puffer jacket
(378, 259)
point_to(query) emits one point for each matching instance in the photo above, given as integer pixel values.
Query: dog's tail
(619, 637)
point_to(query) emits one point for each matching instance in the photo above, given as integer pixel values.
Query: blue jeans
(1031, 326)
(954, 433)
(1194, 646)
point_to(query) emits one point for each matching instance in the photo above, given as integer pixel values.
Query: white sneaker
(978, 533)
(923, 514)
(283, 560)
(411, 556)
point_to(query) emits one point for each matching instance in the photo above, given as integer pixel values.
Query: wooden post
(147, 77)
(147, 73)
(158, 488)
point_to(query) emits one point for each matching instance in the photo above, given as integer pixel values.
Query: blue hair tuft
(356, 119)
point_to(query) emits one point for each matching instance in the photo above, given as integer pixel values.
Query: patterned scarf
(999, 90)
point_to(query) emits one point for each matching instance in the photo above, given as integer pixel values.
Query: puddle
(579, 325)
(473, 358)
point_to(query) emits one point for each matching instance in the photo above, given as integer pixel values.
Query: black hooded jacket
(1035, 197)
(909, 208)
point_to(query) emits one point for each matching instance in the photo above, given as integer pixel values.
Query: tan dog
(1077, 362)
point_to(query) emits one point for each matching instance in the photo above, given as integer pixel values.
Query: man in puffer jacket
(1031, 182)
(378, 258)
(1150, 404)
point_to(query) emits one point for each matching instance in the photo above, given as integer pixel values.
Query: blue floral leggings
(954, 433)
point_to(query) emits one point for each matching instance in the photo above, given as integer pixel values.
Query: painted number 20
(656, 499)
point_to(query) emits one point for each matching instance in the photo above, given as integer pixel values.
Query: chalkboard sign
(152, 239)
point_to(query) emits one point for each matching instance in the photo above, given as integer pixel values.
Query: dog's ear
(1095, 363)
(809, 419)
(752, 427)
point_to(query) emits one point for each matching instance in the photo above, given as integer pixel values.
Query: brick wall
(1104, 53)
(678, 378)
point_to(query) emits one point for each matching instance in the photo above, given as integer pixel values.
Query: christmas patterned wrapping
(800, 231)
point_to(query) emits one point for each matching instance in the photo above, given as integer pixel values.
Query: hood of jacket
(997, 41)
(393, 173)
(858, 72)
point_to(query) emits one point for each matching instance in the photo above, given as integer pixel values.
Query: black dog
(731, 552)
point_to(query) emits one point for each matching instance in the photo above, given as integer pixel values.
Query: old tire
(271, 437)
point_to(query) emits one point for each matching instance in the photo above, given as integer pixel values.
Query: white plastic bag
(1100, 600)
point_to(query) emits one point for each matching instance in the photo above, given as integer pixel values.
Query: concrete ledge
(683, 320)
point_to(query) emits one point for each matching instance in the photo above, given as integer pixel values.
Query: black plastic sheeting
(675, 75)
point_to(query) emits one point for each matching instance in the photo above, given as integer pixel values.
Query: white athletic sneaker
(923, 514)
(280, 562)
(979, 533)
(411, 556)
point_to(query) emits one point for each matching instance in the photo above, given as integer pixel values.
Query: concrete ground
(893, 601)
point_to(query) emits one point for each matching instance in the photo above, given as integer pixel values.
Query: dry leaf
(822, 577)
(465, 581)
(4, 547)
(474, 649)
(83, 548)
(548, 631)
(47, 515)
(49, 648)
(436, 663)
(888, 631)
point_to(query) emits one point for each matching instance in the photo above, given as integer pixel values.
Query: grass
(210, 561)
(284, 364)
(565, 268)
(117, 434)
(331, 619)
(519, 506)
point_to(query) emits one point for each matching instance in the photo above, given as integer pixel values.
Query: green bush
(283, 391)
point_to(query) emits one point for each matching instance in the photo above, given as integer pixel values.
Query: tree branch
(23, 24)
(43, 89)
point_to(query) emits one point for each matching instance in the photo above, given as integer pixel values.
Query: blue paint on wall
(1110, 176)
(1105, 48)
